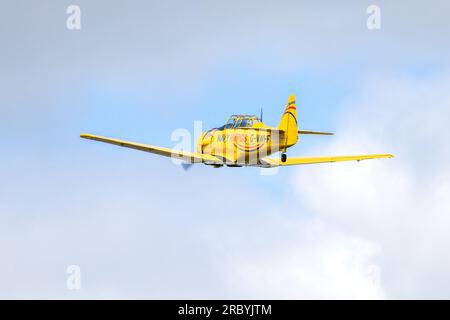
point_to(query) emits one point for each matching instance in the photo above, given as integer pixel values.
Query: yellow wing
(271, 162)
(191, 157)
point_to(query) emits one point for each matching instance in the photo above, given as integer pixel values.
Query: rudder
(288, 124)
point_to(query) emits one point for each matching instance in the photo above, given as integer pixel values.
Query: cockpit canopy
(240, 121)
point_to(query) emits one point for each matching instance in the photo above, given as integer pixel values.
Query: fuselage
(238, 146)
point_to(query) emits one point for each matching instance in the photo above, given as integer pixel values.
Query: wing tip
(86, 136)
(378, 156)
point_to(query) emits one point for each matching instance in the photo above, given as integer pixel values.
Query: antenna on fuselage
(260, 118)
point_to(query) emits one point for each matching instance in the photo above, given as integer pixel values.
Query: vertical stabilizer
(288, 124)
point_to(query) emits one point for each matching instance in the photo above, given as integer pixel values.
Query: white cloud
(401, 204)
(314, 261)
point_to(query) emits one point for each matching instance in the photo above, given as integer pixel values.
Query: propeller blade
(186, 166)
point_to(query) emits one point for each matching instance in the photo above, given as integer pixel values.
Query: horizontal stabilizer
(315, 132)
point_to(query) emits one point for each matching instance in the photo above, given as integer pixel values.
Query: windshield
(246, 123)
(231, 122)
(238, 121)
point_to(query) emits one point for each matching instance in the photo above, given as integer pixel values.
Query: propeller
(186, 166)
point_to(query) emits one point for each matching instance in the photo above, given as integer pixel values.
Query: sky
(138, 226)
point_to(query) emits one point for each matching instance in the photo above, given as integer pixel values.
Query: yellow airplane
(244, 141)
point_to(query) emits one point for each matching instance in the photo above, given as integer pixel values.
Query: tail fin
(288, 124)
